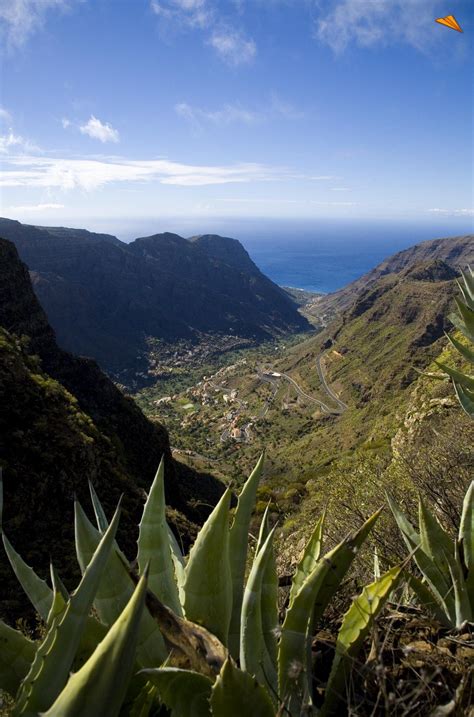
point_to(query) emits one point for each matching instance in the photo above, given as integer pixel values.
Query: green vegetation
(207, 595)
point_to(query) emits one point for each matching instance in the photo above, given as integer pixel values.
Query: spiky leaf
(208, 581)
(37, 590)
(154, 545)
(186, 693)
(100, 685)
(254, 657)
(269, 593)
(115, 590)
(55, 655)
(238, 547)
(309, 558)
(355, 627)
(16, 655)
(236, 693)
(294, 676)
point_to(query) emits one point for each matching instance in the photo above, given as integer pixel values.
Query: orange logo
(449, 21)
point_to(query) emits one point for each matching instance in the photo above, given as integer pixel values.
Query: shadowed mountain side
(106, 299)
(63, 422)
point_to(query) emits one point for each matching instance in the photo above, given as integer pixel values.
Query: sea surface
(326, 258)
(320, 256)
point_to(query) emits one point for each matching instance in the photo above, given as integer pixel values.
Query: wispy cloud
(235, 113)
(227, 114)
(5, 116)
(9, 139)
(233, 47)
(230, 43)
(367, 23)
(19, 19)
(102, 131)
(453, 212)
(93, 173)
(33, 208)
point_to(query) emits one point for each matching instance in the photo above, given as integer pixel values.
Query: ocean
(324, 258)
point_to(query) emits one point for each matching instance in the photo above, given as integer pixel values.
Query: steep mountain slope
(457, 252)
(107, 299)
(370, 356)
(63, 422)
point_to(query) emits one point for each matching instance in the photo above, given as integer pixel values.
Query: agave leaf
(238, 548)
(355, 627)
(99, 687)
(192, 647)
(461, 348)
(1, 499)
(115, 590)
(178, 564)
(457, 376)
(427, 599)
(462, 599)
(467, 315)
(441, 586)
(269, 593)
(434, 541)
(16, 656)
(144, 701)
(186, 693)
(101, 519)
(37, 590)
(468, 300)
(468, 288)
(154, 545)
(236, 693)
(294, 675)
(309, 559)
(458, 322)
(465, 398)
(54, 657)
(254, 657)
(208, 580)
(466, 539)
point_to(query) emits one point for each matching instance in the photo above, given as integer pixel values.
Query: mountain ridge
(108, 299)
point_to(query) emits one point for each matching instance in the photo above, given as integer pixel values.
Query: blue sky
(144, 109)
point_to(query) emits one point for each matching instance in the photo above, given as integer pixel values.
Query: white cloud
(190, 13)
(34, 208)
(373, 22)
(234, 113)
(227, 114)
(21, 18)
(65, 122)
(453, 212)
(98, 130)
(92, 173)
(233, 47)
(5, 116)
(15, 141)
(203, 15)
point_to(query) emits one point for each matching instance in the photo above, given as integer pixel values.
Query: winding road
(269, 378)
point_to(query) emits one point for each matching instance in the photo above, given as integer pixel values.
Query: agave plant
(447, 566)
(464, 321)
(208, 641)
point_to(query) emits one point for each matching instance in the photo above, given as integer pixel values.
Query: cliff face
(456, 252)
(106, 299)
(62, 423)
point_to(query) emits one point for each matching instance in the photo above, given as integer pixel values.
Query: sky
(146, 110)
